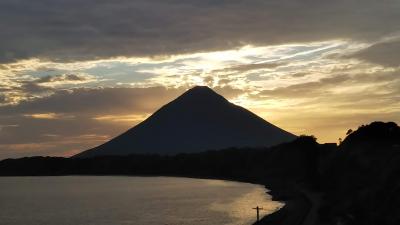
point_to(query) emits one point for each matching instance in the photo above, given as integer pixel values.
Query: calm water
(109, 200)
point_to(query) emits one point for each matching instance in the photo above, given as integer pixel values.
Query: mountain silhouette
(198, 120)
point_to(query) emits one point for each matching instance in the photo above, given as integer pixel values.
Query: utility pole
(258, 213)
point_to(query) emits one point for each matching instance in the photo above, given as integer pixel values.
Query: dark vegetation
(359, 179)
(294, 161)
(362, 179)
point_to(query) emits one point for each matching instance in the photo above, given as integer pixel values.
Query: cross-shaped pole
(258, 212)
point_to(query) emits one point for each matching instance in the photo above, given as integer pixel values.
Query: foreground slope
(198, 120)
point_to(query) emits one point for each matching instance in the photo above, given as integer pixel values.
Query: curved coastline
(297, 203)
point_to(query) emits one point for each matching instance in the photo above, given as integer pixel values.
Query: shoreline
(295, 211)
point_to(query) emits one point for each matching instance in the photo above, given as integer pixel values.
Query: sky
(74, 74)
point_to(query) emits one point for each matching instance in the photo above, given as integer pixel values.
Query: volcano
(198, 120)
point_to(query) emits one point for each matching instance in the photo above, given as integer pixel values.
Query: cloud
(68, 78)
(254, 66)
(229, 92)
(48, 116)
(384, 53)
(73, 30)
(26, 87)
(305, 90)
(40, 129)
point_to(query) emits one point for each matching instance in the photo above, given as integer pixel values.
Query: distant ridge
(198, 120)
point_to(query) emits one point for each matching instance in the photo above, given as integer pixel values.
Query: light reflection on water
(109, 200)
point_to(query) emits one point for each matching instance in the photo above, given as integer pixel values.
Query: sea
(119, 200)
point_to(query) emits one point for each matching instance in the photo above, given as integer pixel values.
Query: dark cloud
(254, 66)
(77, 30)
(299, 74)
(384, 53)
(32, 87)
(96, 101)
(2, 98)
(63, 77)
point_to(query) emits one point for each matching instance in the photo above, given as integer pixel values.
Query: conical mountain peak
(198, 120)
(200, 93)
